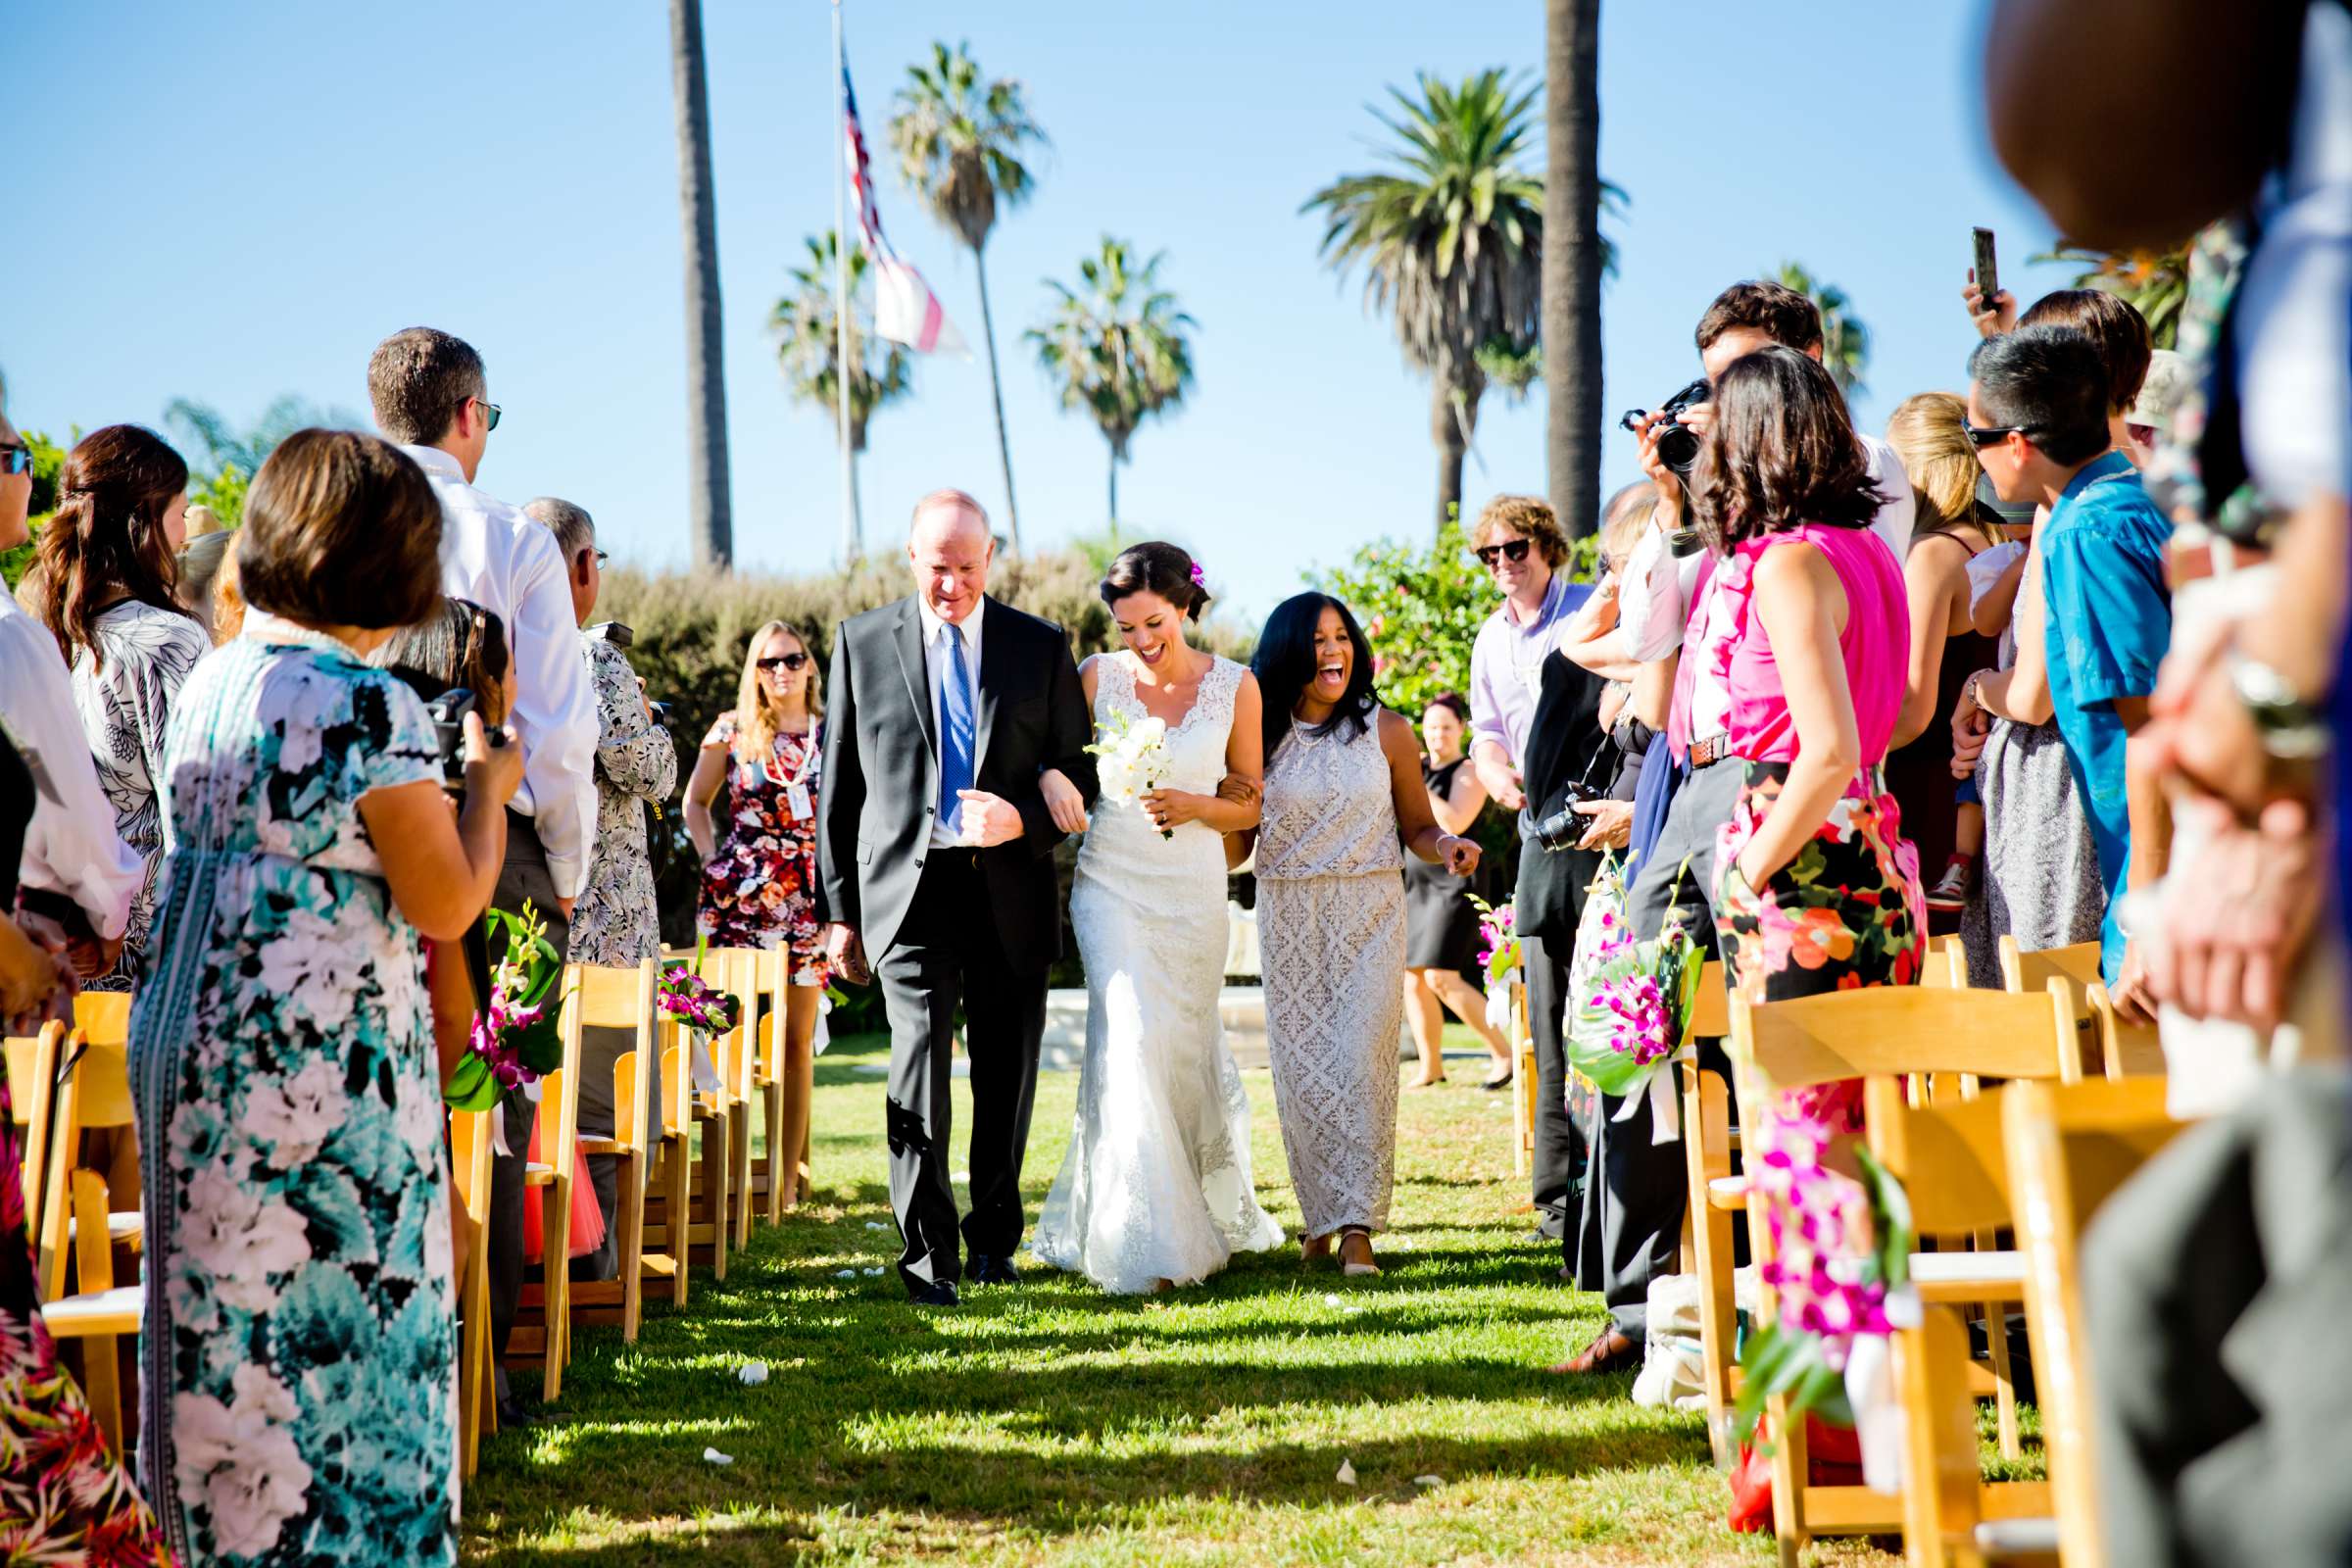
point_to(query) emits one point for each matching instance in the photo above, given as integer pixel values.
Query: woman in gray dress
(1342, 790)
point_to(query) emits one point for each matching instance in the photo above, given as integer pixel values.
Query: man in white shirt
(430, 395)
(72, 852)
(1633, 1214)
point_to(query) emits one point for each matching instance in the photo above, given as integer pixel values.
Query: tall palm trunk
(710, 508)
(1572, 260)
(1452, 441)
(995, 390)
(1115, 493)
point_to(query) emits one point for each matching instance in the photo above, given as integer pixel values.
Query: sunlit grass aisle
(1049, 1423)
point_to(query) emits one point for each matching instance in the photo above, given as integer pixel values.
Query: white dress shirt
(1655, 603)
(937, 666)
(501, 559)
(70, 846)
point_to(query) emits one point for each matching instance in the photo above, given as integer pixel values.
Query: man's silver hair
(574, 528)
(951, 497)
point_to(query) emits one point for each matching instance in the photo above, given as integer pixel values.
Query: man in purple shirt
(1525, 550)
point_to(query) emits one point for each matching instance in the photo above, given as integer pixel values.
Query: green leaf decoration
(472, 1087)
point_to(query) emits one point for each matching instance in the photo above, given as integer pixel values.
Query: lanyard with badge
(798, 801)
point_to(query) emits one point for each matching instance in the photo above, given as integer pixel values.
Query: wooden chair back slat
(104, 1016)
(1711, 1009)
(2069, 1150)
(2023, 971)
(1950, 1158)
(60, 1156)
(2125, 1050)
(1886, 1031)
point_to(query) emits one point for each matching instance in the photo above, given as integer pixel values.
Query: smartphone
(1988, 279)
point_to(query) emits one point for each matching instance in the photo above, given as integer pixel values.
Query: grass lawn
(1049, 1423)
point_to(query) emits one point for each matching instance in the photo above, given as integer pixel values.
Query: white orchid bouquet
(1134, 757)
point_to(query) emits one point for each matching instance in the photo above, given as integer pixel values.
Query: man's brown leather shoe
(1609, 1352)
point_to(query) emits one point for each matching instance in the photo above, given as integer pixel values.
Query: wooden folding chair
(737, 1053)
(624, 999)
(1950, 1162)
(776, 1079)
(1715, 1197)
(470, 1169)
(73, 1221)
(551, 1176)
(1884, 1033)
(2125, 1050)
(33, 1092)
(670, 1216)
(2068, 1151)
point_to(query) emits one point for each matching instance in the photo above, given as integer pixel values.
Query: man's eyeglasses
(490, 412)
(1981, 436)
(603, 560)
(15, 460)
(1508, 550)
(788, 660)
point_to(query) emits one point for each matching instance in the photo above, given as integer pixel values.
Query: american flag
(905, 310)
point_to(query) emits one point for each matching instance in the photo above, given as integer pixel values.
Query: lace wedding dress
(1156, 1182)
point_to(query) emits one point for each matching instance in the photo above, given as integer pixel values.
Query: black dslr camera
(1678, 443)
(449, 710)
(1564, 828)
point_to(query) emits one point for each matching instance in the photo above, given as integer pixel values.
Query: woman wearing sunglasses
(759, 880)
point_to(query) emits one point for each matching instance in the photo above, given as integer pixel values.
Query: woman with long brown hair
(759, 881)
(107, 574)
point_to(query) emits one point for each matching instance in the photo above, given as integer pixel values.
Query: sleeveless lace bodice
(1329, 807)
(1196, 763)
(1156, 1182)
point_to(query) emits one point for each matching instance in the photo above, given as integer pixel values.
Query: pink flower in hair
(1199, 578)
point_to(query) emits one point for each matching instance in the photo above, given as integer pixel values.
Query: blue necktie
(955, 733)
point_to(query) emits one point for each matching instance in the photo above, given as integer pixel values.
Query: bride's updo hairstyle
(1161, 569)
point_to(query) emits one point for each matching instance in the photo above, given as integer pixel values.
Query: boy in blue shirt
(2037, 413)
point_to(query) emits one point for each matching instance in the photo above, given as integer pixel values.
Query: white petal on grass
(847, 1274)
(875, 1225)
(1331, 1300)
(753, 1373)
(713, 1456)
(873, 1273)
(1429, 1481)
(964, 1176)
(1346, 1476)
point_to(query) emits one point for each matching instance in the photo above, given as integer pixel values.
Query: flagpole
(852, 547)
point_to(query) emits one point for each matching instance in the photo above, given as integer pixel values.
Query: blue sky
(231, 203)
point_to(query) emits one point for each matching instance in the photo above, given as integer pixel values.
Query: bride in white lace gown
(1156, 1189)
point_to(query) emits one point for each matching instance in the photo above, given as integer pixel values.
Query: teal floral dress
(298, 1355)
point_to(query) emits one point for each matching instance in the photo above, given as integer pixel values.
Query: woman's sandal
(1313, 1250)
(1354, 1270)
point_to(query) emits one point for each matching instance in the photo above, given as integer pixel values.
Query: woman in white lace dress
(106, 574)
(1342, 791)
(1156, 1189)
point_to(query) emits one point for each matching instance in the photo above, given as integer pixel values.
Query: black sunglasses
(1984, 435)
(15, 460)
(490, 412)
(1511, 549)
(788, 660)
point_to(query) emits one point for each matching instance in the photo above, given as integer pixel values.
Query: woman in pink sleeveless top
(1818, 889)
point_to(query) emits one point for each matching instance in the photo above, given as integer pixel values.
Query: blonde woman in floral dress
(760, 878)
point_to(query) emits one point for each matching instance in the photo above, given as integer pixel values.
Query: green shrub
(48, 461)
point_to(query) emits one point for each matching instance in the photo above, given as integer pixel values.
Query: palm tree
(2153, 282)
(1574, 262)
(960, 144)
(1451, 242)
(708, 502)
(809, 348)
(1118, 347)
(224, 446)
(1844, 340)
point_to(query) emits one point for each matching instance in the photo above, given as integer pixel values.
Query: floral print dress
(297, 1357)
(759, 887)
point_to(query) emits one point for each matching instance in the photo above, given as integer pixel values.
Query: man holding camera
(1524, 550)
(1632, 1222)
(614, 923)
(430, 395)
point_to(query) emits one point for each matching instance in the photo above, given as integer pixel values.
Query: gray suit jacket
(881, 773)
